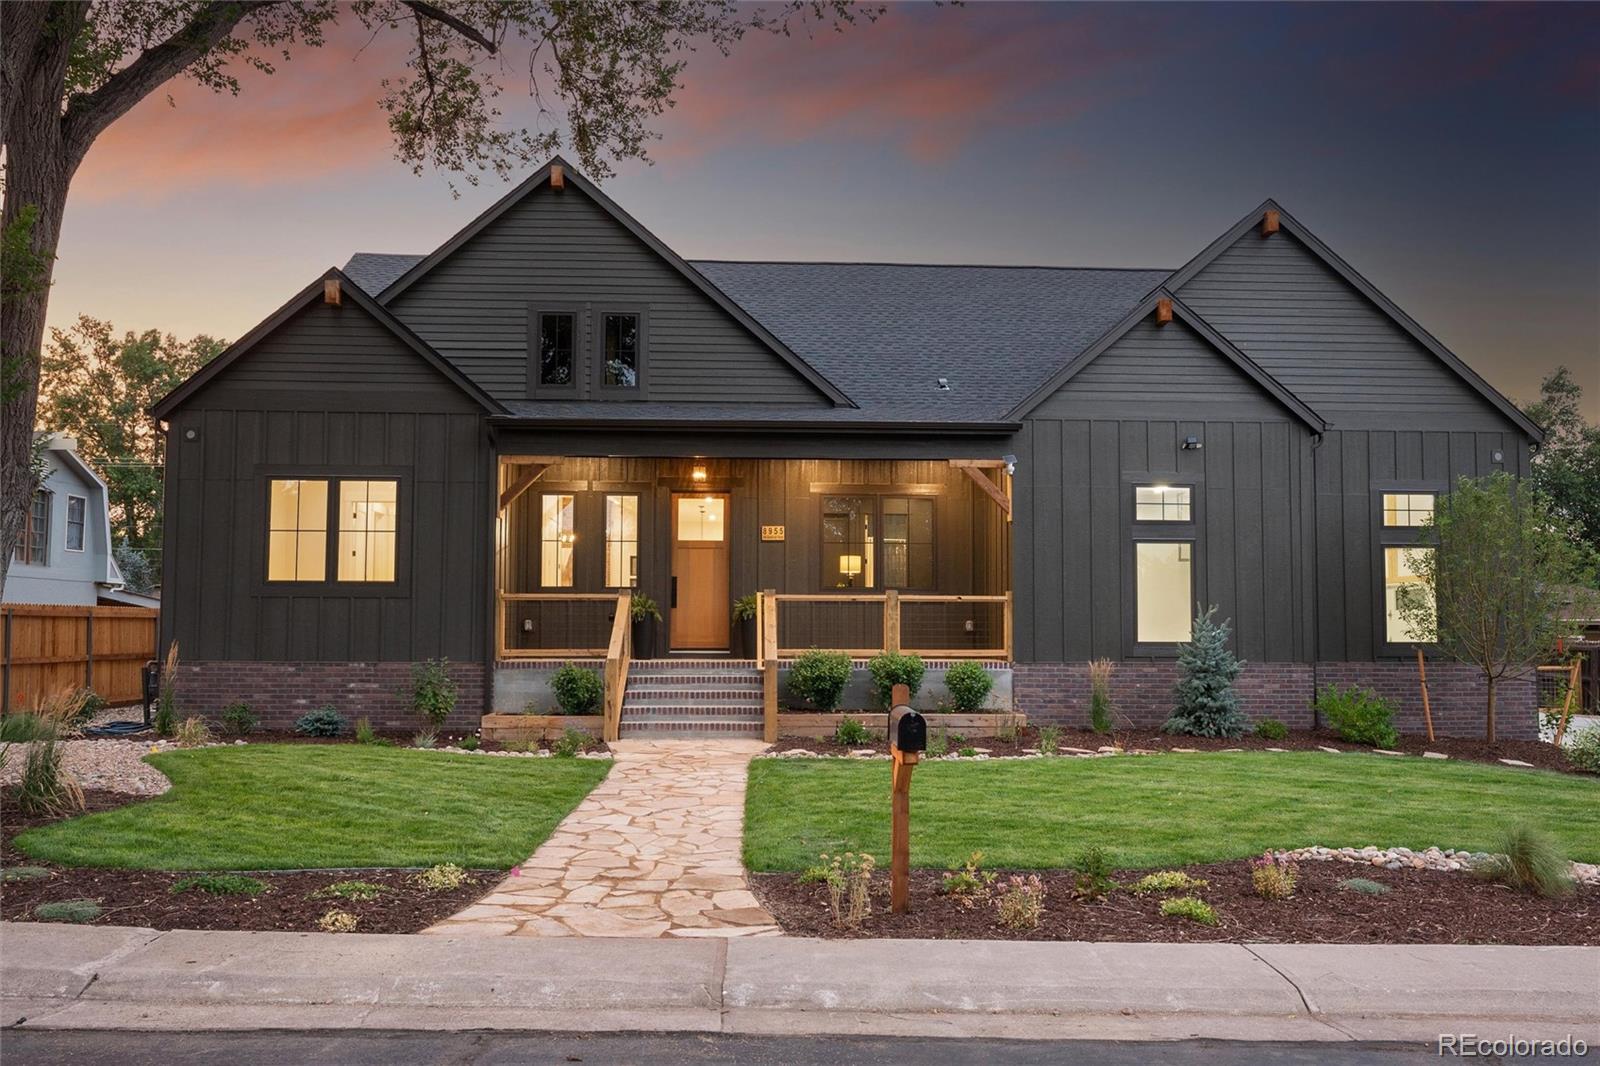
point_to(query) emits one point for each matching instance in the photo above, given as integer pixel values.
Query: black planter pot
(744, 638)
(644, 638)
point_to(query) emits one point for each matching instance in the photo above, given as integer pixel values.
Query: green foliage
(1272, 877)
(570, 743)
(23, 726)
(968, 752)
(889, 669)
(1049, 739)
(356, 891)
(45, 788)
(1190, 907)
(138, 567)
(1365, 886)
(1092, 870)
(1020, 901)
(819, 678)
(1531, 861)
(338, 921)
(76, 911)
(1583, 750)
(1271, 729)
(1207, 706)
(641, 607)
(851, 732)
(221, 885)
(744, 608)
(322, 722)
(968, 684)
(469, 742)
(938, 743)
(1566, 468)
(364, 731)
(1505, 573)
(433, 691)
(24, 275)
(425, 738)
(441, 878)
(1100, 709)
(970, 881)
(1358, 715)
(239, 720)
(578, 691)
(165, 721)
(1167, 881)
(23, 873)
(193, 732)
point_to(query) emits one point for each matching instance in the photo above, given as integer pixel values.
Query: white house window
(297, 530)
(367, 530)
(77, 509)
(1164, 591)
(622, 541)
(556, 540)
(1407, 509)
(34, 547)
(1163, 503)
(1402, 579)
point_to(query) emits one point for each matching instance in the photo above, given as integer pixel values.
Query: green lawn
(287, 806)
(1155, 810)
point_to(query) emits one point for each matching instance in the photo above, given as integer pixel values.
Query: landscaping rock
(113, 765)
(1330, 751)
(1386, 751)
(1444, 860)
(1434, 755)
(1516, 762)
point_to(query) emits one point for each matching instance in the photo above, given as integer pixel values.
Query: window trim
(578, 310)
(933, 545)
(27, 539)
(405, 513)
(1159, 648)
(83, 526)
(1384, 536)
(1172, 483)
(875, 497)
(1134, 532)
(597, 370)
(1383, 510)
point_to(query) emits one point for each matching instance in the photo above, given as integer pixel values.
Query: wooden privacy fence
(46, 649)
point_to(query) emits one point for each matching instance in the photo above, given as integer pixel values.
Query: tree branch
(427, 10)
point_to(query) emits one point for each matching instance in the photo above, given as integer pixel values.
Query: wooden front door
(700, 607)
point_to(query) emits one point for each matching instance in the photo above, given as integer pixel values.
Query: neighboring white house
(64, 556)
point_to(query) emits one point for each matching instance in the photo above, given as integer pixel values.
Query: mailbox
(909, 730)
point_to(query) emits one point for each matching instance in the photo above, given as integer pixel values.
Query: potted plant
(744, 627)
(645, 614)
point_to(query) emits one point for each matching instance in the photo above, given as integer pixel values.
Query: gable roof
(1186, 315)
(311, 293)
(1288, 223)
(419, 269)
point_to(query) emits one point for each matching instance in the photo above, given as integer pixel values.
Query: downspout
(1316, 614)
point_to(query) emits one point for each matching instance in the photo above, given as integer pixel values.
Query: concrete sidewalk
(88, 977)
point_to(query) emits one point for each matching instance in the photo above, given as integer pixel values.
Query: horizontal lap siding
(561, 247)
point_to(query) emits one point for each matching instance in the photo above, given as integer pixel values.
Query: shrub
(969, 685)
(849, 881)
(1167, 881)
(425, 738)
(45, 788)
(1207, 706)
(1021, 902)
(166, 716)
(364, 731)
(22, 727)
(1093, 874)
(570, 743)
(1531, 861)
(238, 719)
(1100, 710)
(851, 732)
(469, 742)
(322, 722)
(338, 921)
(577, 690)
(24, 873)
(889, 669)
(93, 704)
(442, 878)
(938, 743)
(971, 882)
(358, 891)
(1272, 877)
(819, 678)
(193, 733)
(1364, 886)
(221, 885)
(433, 691)
(968, 752)
(1358, 715)
(1007, 729)
(641, 607)
(744, 608)
(1271, 729)
(76, 911)
(1049, 739)
(1583, 750)
(1190, 907)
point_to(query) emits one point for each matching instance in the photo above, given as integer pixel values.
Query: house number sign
(771, 532)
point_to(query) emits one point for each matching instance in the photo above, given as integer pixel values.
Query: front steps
(669, 698)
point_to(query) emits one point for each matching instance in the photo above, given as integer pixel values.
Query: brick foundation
(1142, 692)
(280, 692)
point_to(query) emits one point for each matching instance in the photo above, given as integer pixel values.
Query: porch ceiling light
(698, 473)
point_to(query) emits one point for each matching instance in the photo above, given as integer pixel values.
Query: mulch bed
(145, 897)
(1544, 756)
(288, 736)
(1423, 907)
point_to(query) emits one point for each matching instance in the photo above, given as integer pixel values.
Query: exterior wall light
(1192, 444)
(698, 474)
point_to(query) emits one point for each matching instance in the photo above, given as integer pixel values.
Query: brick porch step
(692, 697)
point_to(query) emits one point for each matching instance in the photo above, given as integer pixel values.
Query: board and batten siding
(372, 408)
(554, 250)
(1280, 304)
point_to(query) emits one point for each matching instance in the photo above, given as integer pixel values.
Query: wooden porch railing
(1568, 685)
(563, 625)
(618, 652)
(934, 626)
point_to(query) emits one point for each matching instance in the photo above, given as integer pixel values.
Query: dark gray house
(473, 454)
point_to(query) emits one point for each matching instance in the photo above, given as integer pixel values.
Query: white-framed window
(622, 541)
(1402, 578)
(1163, 503)
(1407, 510)
(297, 529)
(557, 539)
(368, 526)
(1163, 591)
(77, 521)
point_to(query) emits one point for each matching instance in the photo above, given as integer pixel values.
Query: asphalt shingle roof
(886, 332)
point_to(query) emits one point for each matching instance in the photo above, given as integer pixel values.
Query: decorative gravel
(1444, 859)
(113, 765)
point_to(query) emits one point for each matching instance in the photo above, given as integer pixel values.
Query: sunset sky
(1450, 153)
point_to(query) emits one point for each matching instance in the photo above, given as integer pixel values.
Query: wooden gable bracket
(523, 483)
(1269, 222)
(974, 468)
(331, 293)
(558, 177)
(1163, 311)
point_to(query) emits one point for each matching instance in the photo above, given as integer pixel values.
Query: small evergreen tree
(1207, 705)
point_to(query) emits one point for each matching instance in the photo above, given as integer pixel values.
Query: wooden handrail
(767, 638)
(502, 598)
(618, 652)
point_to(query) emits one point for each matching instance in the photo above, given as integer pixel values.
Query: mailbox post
(908, 739)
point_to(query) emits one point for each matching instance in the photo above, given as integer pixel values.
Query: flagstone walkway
(653, 851)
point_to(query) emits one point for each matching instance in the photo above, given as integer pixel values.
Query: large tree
(97, 386)
(70, 68)
(1566, 468)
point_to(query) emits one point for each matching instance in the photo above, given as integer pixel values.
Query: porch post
(891, 621)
